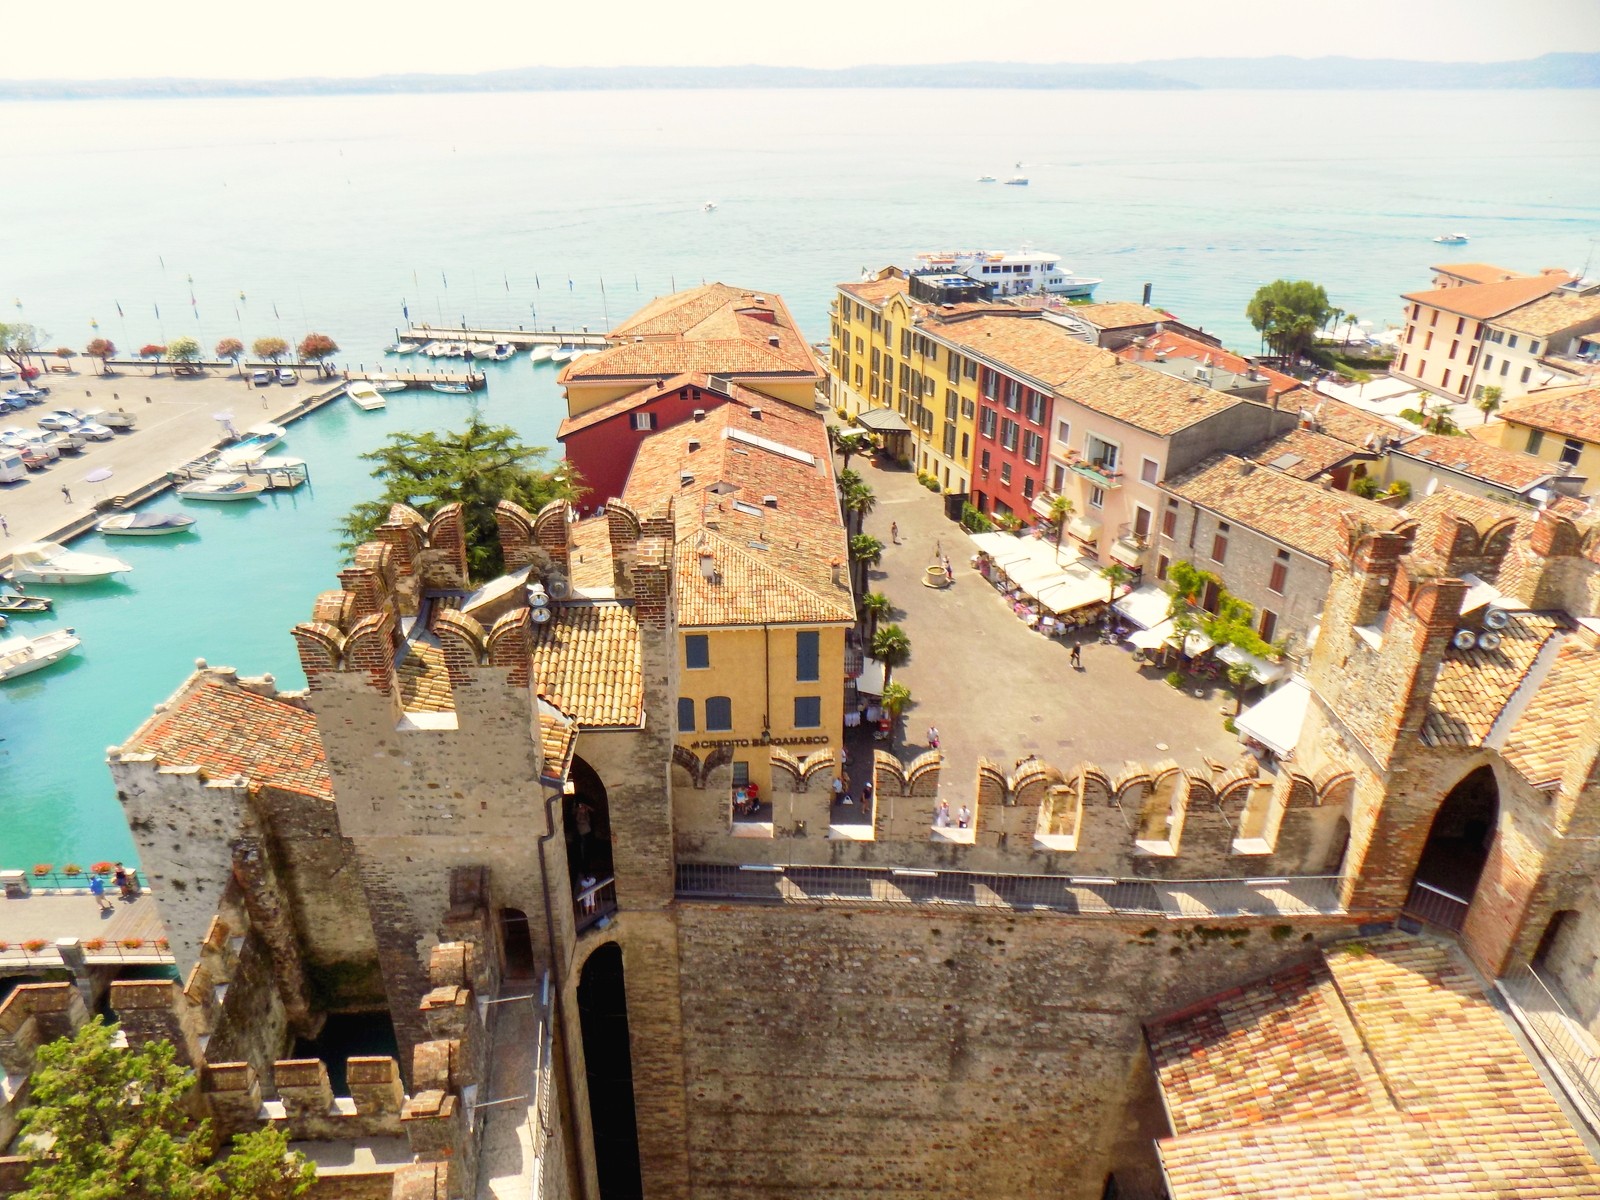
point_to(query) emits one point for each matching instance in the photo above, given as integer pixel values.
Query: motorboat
(259, 437)
(985, 178)
(364, 395)
(401, 348)
(1010, 272)
(383, 383)
(1017, 181)
(503, 352)
(22, 655)
(225, 486)
(453, 389)
(541, 354)
(51, 562)
(149, 524)
(709, 206)
(19, 603)
(1451, 239)
(562, 354)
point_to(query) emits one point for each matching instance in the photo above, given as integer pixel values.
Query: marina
(519, 339)
(417, 380)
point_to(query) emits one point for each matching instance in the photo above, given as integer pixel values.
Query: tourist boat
(1011, 272)
(384, 383)
(259, 437)
(503, 352)
(364, 395)
(26, 604)
(22, 655)
(51, 562)
(453, 389)
(540, 354)
(150, 524)
(1451, 239)
(562, 354)
(1017, 181)
(225, 486)
(985, 178)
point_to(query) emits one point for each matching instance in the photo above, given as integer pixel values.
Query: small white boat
(562, 354)
(503, 352)
(709, 206)
(581, 351)
(540, 354)
(21, 655)
(1451, 239)
(985, 178)
(401, 348)
(259, 437)
(364, 395)
(151, 524)
(1017, 181)
(384, 384)
(225, 487)
(51, 562)
(454, 389)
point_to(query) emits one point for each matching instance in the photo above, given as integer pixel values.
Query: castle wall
(936, 1053)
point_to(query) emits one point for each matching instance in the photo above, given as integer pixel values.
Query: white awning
(1146, 606)
(1149, 639)
(1275, 722)
(1261, 670)
(1194, 642)
(1084, 529)
(871, 681)
(883, 420)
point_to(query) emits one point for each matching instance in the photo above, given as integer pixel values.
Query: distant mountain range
(1280, 73)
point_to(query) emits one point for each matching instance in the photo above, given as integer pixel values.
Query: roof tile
(586, 661)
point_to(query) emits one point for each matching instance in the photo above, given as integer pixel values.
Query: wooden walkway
(421, 380)
(522, 339)
(50, 915)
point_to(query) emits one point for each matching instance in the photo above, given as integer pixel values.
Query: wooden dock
(128, 932)
(522, 339)
(420, 381)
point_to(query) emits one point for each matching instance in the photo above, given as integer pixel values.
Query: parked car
(95, 431)
(287, 377)
(37, 446)
(261, 378)
(57, 420)
(26, 395)
(10, 403)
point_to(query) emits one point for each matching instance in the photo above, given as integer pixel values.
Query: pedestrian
(941, 816)
(126, 887)
(4, 528)
(866, 795)
(66, 493)
(1077, 657)
(97, 889)
(584, 884)
(933, 737)
(838, 790)
(894, 532)
(964, 817)
(949, 572)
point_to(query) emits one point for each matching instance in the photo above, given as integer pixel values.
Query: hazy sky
(91, 39)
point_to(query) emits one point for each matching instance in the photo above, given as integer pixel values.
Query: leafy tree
(183, 349)
(1061, 510)
(1115, 574)
(18, 340)
(479, 466)
(270, 348)
(261, 1167)
(859, 501)
(1287, 313)
(874, 607)
(865, 550)
(315, 347)
(101, 349)
(63, 351)
(892, 648)
(1489, 401)
(152, 350)
(230, 348)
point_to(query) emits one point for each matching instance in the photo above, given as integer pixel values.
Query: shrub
(974, 520)
(931, 484)
(63, 351)
(1400, 488)
(842, 413)
(153, 350)
(1175, 679)
(1366, 487)
(43, 869)
(1228, 724)
(1010, 522)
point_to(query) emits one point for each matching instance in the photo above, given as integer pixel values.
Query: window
(1169, 520)
(1454, 344)
(1058, 477)
(1269, 624)
(987, 420)
(1219, 543)
(953, 368)
(1434, 319)
(969, 368)
(1571, 451)
(888, 332)
(1533, 346)
(696, 651)
(1477, 392)
(1526, 371)
(1032, 448)
(1445, 382)
(1427, 341)
(1212, 595)
(1005, 473)
(808, 712)
(1097, 497)
(741, 774)
(1505, 366)
(1535, 440)
(966, 448)
(1036, 408)
(949, 440)
(1403, 359)
(1141, 522)
(950, 402)
(1013, 395)
(1162, 563)
(1102, 454)
(1461, 327)
(719, 714)
(1063, 432)
(1008, 434)
(968, 408)
(983, 462)
(1488, 361)
(806, 644)
(685, 714)
(1027, 488)
(991, 385)
(1280, 572)
(646, 420)
(1511, 342)
(1149, 470)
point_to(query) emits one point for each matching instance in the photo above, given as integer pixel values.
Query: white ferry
(1012, 273)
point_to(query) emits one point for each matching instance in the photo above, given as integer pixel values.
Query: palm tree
(1488, 402)
(858, 502)
(849, 445)
(1116, 575)
(1061, 510)
(1239, 674)
(875, 607)
(896, 699)
(892, 648)
(1350, 320)
(865, 550)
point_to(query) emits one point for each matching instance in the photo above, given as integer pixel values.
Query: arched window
(719, 714)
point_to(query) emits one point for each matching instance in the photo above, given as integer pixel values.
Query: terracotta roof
(225, 730)
(1543, 737)
(424, 682)
(876, 291)
(774, 563)
(1181, 346)
(590, 565)
(1303, 516)
(1574, 415)
(1025, 343)
(558, 734)
(651, 391)
(1480, 510)
(1385, 1075)
(1304, 454)
(1119, 314)
(1509, 469)
(1474, 686)
(715, 329)
(1478, 272)
(1345, 421)
(1485, 301)
(1154, 402)
(1551, 315)
(586, 662)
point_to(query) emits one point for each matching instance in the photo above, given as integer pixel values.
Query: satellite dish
(540, 615)
(1488, 641)
(1497, 618)
(1465, 639)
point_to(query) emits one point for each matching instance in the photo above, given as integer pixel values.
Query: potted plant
(34, 945)
(40, 870)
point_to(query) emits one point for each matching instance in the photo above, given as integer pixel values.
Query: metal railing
(96, 950)
(1436, 907)
(595, 902)
(45, 878)
(764, 883)
(1560, 1034)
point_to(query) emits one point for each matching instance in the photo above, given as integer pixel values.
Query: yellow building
(1559, 426)
(761, 585)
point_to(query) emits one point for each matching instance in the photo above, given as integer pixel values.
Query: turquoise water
(331, 213)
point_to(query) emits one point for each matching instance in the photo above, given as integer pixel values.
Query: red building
(1008, 468)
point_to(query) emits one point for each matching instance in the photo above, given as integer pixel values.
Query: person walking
(4, 528)
(894, 532)
(933, 737)
(941, 816)
(97, 889)
(964, 817)
(126, 888)
(66, 493)
(949, 571)
(1077, 657)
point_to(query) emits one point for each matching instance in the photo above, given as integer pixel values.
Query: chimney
(1147, 289)
(685, 478)
(772, 339)
(837, 582)
(770, 501)
(699, 414)
(708, 565)
(694, 444)
(755, 411)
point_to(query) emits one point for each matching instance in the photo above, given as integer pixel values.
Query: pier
(419, 380)
(522, 339)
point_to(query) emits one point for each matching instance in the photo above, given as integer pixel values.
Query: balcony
(594, 903)
(1101, 474)
(1130, 548)
(1561, 1039)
